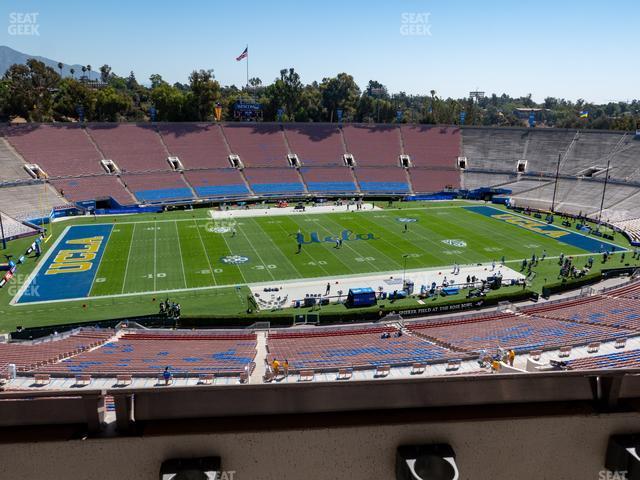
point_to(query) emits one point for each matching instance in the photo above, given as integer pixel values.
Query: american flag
(244, 54)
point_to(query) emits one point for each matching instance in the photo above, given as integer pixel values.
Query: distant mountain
(9, 56)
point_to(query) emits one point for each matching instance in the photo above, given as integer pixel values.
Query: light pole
(404, 269)
(4, 240)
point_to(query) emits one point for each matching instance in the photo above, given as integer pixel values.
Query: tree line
(39, 93)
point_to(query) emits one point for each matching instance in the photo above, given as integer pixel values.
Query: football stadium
(238, 289)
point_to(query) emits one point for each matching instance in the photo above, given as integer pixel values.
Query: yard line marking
(155, 256)
(229, 249)
(184, 275)
(350, 247)
(374, 248)
(126, 269)
(275, 246)
(259, 257)
(293, 280)
(206, 254)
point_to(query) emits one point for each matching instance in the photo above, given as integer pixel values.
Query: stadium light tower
(404, 268)
(604, 192)
(4, 240)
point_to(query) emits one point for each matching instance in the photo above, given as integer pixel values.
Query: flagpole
(247, 69)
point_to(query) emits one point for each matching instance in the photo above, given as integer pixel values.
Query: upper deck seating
(133, 147)
(371, 146)
(258, 145)
(59, 150)
(196, 145)
(316, 145)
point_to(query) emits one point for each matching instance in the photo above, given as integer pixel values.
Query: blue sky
(564, 48)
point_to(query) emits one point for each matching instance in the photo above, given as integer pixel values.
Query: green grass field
(182, 255)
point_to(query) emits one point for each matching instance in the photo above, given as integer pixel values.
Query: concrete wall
(556, 447)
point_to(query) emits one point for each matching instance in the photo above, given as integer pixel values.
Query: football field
(186, 252)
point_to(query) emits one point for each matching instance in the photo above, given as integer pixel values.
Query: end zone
(68, 269)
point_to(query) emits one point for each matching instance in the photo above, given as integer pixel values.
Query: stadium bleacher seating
(274, 180)
(382, 179)
(13, 228)
(336, 179)
(25, 202)
(521, 333)
(60, 150)
(590, 150)
(426, 180)
(432, 147)
(92, 188)
(316, 145)
(74, 152)
(626, 359)
(372, 146)
(157, 187)
(351, 347)
(12, 165)
(133, 147)
(631, 226)
(493, 149)
(599, 310)
(147, 353)
(258, 145)
(30, 355)
(217, 182)
(196, 145)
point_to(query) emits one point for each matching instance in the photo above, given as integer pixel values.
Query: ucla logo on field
(78, 259)
(455, 243)
(345, 236)
(406, 219)
(234, 259)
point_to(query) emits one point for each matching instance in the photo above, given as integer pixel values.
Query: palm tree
(89, 70)
(73, 72)
(60, 65)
